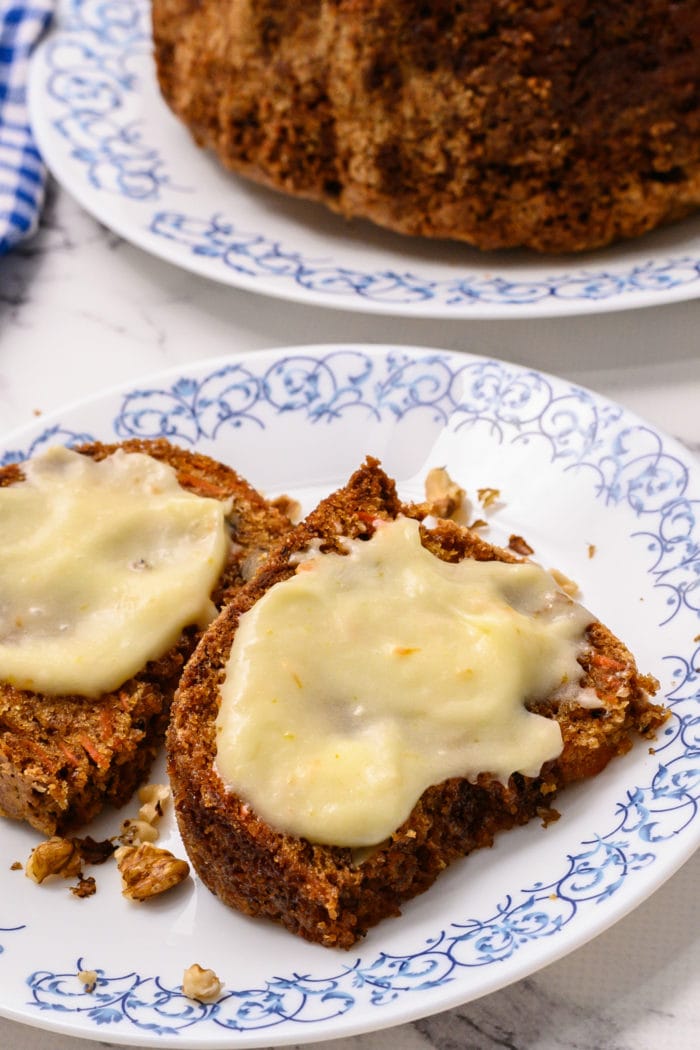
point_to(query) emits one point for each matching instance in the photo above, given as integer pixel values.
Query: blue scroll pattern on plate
(630, 464)
(253, 254)
(93, 82)
(91, 76)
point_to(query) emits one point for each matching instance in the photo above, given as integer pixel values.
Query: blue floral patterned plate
(110, 140)
(600, 495)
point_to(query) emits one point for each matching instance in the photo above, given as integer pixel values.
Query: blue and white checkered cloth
(22, 173)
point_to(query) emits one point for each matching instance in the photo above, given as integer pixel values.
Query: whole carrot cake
(559, 126)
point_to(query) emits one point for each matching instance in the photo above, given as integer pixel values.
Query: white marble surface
(81, 309)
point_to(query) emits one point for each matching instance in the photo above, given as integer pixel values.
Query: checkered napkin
(22, 174)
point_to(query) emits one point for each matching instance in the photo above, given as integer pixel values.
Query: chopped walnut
(520, 546)
(93, 851)
(568, 586)
(547, 816)
(143, 829)
(443, 496)
(55, 856)
(88, 978)
(150, 812)
(201, 984)
(85, 887)
(158, 794)
(134, 832)
(487, 497)
(153, 798)
(147, 870)
(16, 865)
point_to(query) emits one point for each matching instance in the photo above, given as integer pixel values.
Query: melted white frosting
(102, 565)
(367, 677)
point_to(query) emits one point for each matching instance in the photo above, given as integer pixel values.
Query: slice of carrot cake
(382, 698)
(113, 559)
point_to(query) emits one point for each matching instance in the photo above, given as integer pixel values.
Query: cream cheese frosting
(102, 565)
(366, 677)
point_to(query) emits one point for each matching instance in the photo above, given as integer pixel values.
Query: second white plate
(109, 138)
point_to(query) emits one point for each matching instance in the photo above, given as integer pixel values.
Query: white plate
(573, 470)
(110, 140)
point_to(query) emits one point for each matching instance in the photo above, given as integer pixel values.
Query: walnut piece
(148, 870)
(86, 887)
(153, 798)
(88, 978)
(487, 497)
(55, 856)
(201, 984)
(520, 546)
(443, 495)
(568, 586)
(94, 851)
(134, 832)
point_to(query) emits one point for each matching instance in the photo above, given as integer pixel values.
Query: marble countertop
(81, 309)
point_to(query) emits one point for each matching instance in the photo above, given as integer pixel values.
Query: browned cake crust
(317, 891)
(63, 757)
(560, 126)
